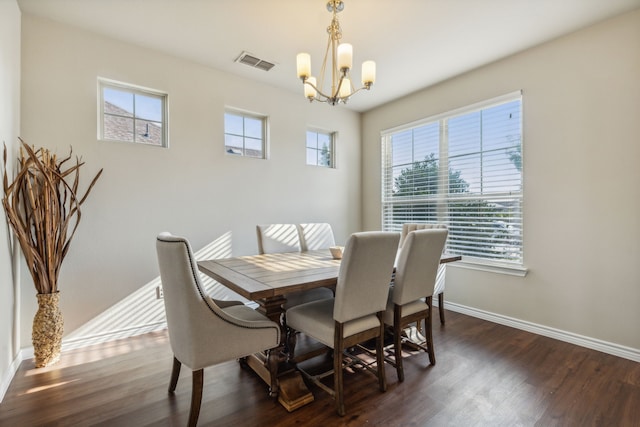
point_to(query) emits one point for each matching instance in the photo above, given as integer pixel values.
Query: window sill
(470, 264)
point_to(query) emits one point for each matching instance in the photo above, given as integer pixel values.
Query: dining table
(267, 279)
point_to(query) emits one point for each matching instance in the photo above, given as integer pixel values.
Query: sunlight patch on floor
(45, 387)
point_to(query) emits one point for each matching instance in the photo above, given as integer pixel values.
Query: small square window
(130, 113)
(320, 148)
(244, 134)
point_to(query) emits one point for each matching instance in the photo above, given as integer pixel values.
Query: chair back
(316, 236)
(202, 333)
(413, 226)
(276, 238)
(365, 272)
(184, 299)
(418, 264)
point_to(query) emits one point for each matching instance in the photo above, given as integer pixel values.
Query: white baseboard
(8, 376)
(581, 340)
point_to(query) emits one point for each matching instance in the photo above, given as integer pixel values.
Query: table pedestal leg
(292, 391)
(266, 366)
(272, 308)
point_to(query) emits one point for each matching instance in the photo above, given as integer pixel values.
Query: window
(320, 148)
(244, 134)
(463, 169)
(132, 114)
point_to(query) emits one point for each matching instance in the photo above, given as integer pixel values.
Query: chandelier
(340, 56)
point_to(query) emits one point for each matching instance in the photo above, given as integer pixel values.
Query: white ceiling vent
(250, 60)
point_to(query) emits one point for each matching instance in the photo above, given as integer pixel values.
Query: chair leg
(441, 306)
(397, 341)
(382, 378)
(175, 373)
(337, 368)
(429, 332)
(196, 397)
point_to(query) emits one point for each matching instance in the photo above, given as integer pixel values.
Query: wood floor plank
(486, 375)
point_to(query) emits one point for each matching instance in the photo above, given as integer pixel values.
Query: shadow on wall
(142, 311)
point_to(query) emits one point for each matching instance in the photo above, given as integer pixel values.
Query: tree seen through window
(464, 171)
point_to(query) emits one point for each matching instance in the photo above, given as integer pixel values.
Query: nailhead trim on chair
(204, 299)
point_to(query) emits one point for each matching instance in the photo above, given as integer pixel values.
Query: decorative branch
(42, 204)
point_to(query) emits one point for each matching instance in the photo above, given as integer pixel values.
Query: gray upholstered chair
(275, 238)
(440, 279)
(203, 331)
(410, 297)
(408, 227)
(316, 236)
(355, 314)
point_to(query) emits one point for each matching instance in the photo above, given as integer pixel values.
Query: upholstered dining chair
(316, 236)
(410, 296)
(355, 314)
(274, 238)
(203, 331)
(440, 279)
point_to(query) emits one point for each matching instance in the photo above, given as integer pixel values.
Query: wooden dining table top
(265, 276)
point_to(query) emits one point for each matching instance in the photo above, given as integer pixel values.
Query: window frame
(264, 119)
(444, 197)
(332, 147)
(104, 83)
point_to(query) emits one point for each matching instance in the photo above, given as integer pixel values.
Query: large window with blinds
(463, 169)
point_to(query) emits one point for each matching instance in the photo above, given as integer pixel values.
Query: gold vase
(47, 330)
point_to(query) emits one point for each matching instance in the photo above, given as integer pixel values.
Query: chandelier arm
(334, 98)
(319, 91)
(366, 87)
(344, 99)
(323, 67)
(337, 94)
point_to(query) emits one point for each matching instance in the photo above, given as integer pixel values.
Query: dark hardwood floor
(486, 375)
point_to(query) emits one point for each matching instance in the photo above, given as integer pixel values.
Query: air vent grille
(252, 61)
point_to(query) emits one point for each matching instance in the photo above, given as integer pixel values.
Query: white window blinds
(462, 169)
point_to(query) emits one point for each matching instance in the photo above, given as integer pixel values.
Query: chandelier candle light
(341, 55)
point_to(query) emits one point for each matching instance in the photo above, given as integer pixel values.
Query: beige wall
(581, 106)
(581, 127)
(9, 127)
(193, 188)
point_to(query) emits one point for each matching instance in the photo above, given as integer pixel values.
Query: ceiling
(415, 43)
